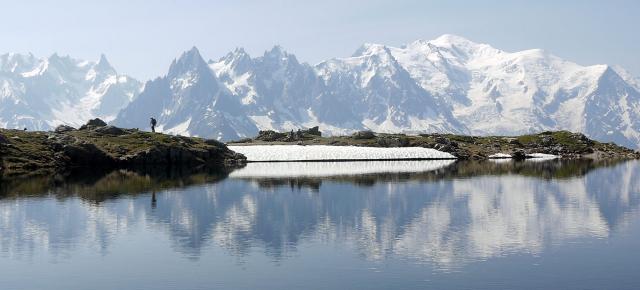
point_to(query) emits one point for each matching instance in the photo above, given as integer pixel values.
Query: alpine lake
(535, 224)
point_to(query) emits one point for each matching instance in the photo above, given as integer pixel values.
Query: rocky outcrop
(63, 128)
(298, 135)
(93, 123)
(110, 130)
(108, 147)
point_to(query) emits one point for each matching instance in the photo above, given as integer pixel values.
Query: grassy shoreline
(562, 143)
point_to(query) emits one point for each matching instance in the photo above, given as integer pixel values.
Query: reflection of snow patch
(326, 169)
(500, 160)
(325, 152)
(499, 156)
(542, 156)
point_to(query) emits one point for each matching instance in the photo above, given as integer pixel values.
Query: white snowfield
(542, 156)
(256, 153)
(328, 169)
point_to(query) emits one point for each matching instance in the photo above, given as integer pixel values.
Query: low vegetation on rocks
(97, 145)
(562, 143)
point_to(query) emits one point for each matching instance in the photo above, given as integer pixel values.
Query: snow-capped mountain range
(449, 84)
(40, 94)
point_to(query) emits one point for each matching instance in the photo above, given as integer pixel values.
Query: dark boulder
(519, 155)
(64, 128)
(93, 123)
(313, 131)
(3, 139)
(110, 130)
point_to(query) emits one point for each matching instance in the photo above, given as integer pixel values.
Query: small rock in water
(519, 155)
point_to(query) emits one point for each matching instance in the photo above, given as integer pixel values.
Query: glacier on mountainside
(446, 85)
(41, 93)
(191, 101)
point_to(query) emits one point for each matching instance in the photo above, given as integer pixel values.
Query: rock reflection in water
(444, 215)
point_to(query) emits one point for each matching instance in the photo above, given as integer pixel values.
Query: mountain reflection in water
(446, 214)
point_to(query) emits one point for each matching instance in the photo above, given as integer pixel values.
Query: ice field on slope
(327, 169)
(325, 152)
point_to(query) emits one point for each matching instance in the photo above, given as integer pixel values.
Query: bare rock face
(85, 154)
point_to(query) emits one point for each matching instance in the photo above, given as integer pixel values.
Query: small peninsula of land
(98, 146)
(560, 143)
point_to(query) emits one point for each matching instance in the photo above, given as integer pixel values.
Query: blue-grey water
(413, 225)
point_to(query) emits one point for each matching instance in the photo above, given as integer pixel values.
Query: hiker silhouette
(153, 124)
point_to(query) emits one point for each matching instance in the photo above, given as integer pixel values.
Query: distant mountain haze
(446, 85)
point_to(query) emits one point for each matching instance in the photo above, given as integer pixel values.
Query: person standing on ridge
(153, 124)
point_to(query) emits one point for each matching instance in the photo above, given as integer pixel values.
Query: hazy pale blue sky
(140, 38)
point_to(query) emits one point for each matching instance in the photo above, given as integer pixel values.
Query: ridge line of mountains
(446, 85)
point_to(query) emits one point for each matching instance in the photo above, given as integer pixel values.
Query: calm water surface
(361, 225)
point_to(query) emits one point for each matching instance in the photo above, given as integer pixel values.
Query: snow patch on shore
(325, 152)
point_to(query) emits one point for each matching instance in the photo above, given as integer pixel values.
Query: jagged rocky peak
(449, 84)
(279, 55)
(103, 64)
(189, 61)
(46, 92)
(276, 51)
(237, 62)
(236, 56)
(17, 63)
